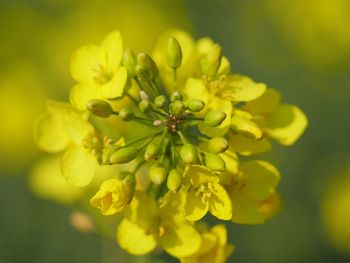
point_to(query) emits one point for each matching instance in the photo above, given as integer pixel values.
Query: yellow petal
(196, 89)
(81, 93)
(78, 166)
(260, 179)
(246, 127)
(220, 203)
(195, 208)
(113, 46)
(84, 61)
(180, 240)
(220, 232)
(286, 124)
(264, 104)
(231, 161)
(218, 104)
(133, 238)
(115, 87)
(242, 88)
(198, 175)
(247, 146)
(247, 211)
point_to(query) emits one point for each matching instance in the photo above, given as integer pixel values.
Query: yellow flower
(147, 223)
(112, 197)
(61, 128)
(214, 247)
(252, 191)
(205, 194)
(98, 72)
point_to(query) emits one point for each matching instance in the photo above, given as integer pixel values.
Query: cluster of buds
(195, 122)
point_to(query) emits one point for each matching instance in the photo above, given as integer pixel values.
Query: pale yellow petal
(198, 175)
(247, 146)
(113, 46)
(195, 208)
(265, 103)
(81, 93)
(220, 204)
(115, 87)
(196, 89)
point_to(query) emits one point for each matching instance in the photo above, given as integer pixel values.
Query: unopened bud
(158, 173)
(143, 73)
(188, 154)
(178, 107)
(160, 101)
(143, 95)
(129, 62)
(174, 180)
(218, 145)
(246, 127)
(175, 96)
(174, 53)
(214, 162)
(100, 108)
(195, 105)
(145, 106)
(124, 155)
(126, 114)
(211, 61)
(146, 61)
(152, 150)
(214, 118)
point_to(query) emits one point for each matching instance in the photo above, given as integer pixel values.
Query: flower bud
(175, 96)
(246, 127)
(113, 196)
(157, 173)
(126, 114)
(214, 118)
(195, 105)
(210, 62)
(129, 62)
(214, 162)
(145, 106)
(124, 155)
(160, 101)
(174, 180)
(147, 62)
(178, 107)
(152, 150)
(218, 145)
(173, 53)
(107, 152)
(100, 108)
(188, 154)
(143, 73)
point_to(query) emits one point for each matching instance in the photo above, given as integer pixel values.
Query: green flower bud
(100, 108)
(214, 118)
(129, 62)
(107, 153)
(174, 180)
(174, 53)
(178, 107)
(246, 127)
(153, 149)
(214, 162)
(124, 155)
(210, 62)
(195, 105)
(145, 106)
(158, 173)
(218, 145)
(188, 154)
(126, 114)
(146, 61)
(143, 73)
(160, 101)
(175, 96)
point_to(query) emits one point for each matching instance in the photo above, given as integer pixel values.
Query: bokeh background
(300, 47)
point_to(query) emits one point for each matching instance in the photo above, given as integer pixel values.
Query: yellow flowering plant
(200, 121)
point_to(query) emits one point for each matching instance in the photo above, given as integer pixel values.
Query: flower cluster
(180, 126)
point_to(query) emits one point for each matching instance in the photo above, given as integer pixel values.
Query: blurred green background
(300, 47)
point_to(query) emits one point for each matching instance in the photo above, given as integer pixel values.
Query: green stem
(134, 100)
(182, 137)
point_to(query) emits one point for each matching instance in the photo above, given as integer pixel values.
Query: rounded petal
(231, 160)
(196, 89)
(115, 87)
(198, 175)
(247, 146)
(81, 93)
(242, 88)
(180, 240)
(220, 203)
(113, 46)
(78, 166)
(195, 208)
(286, 124)
(247, 211)
(83, 62)
(133, 238)
(264, 104)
